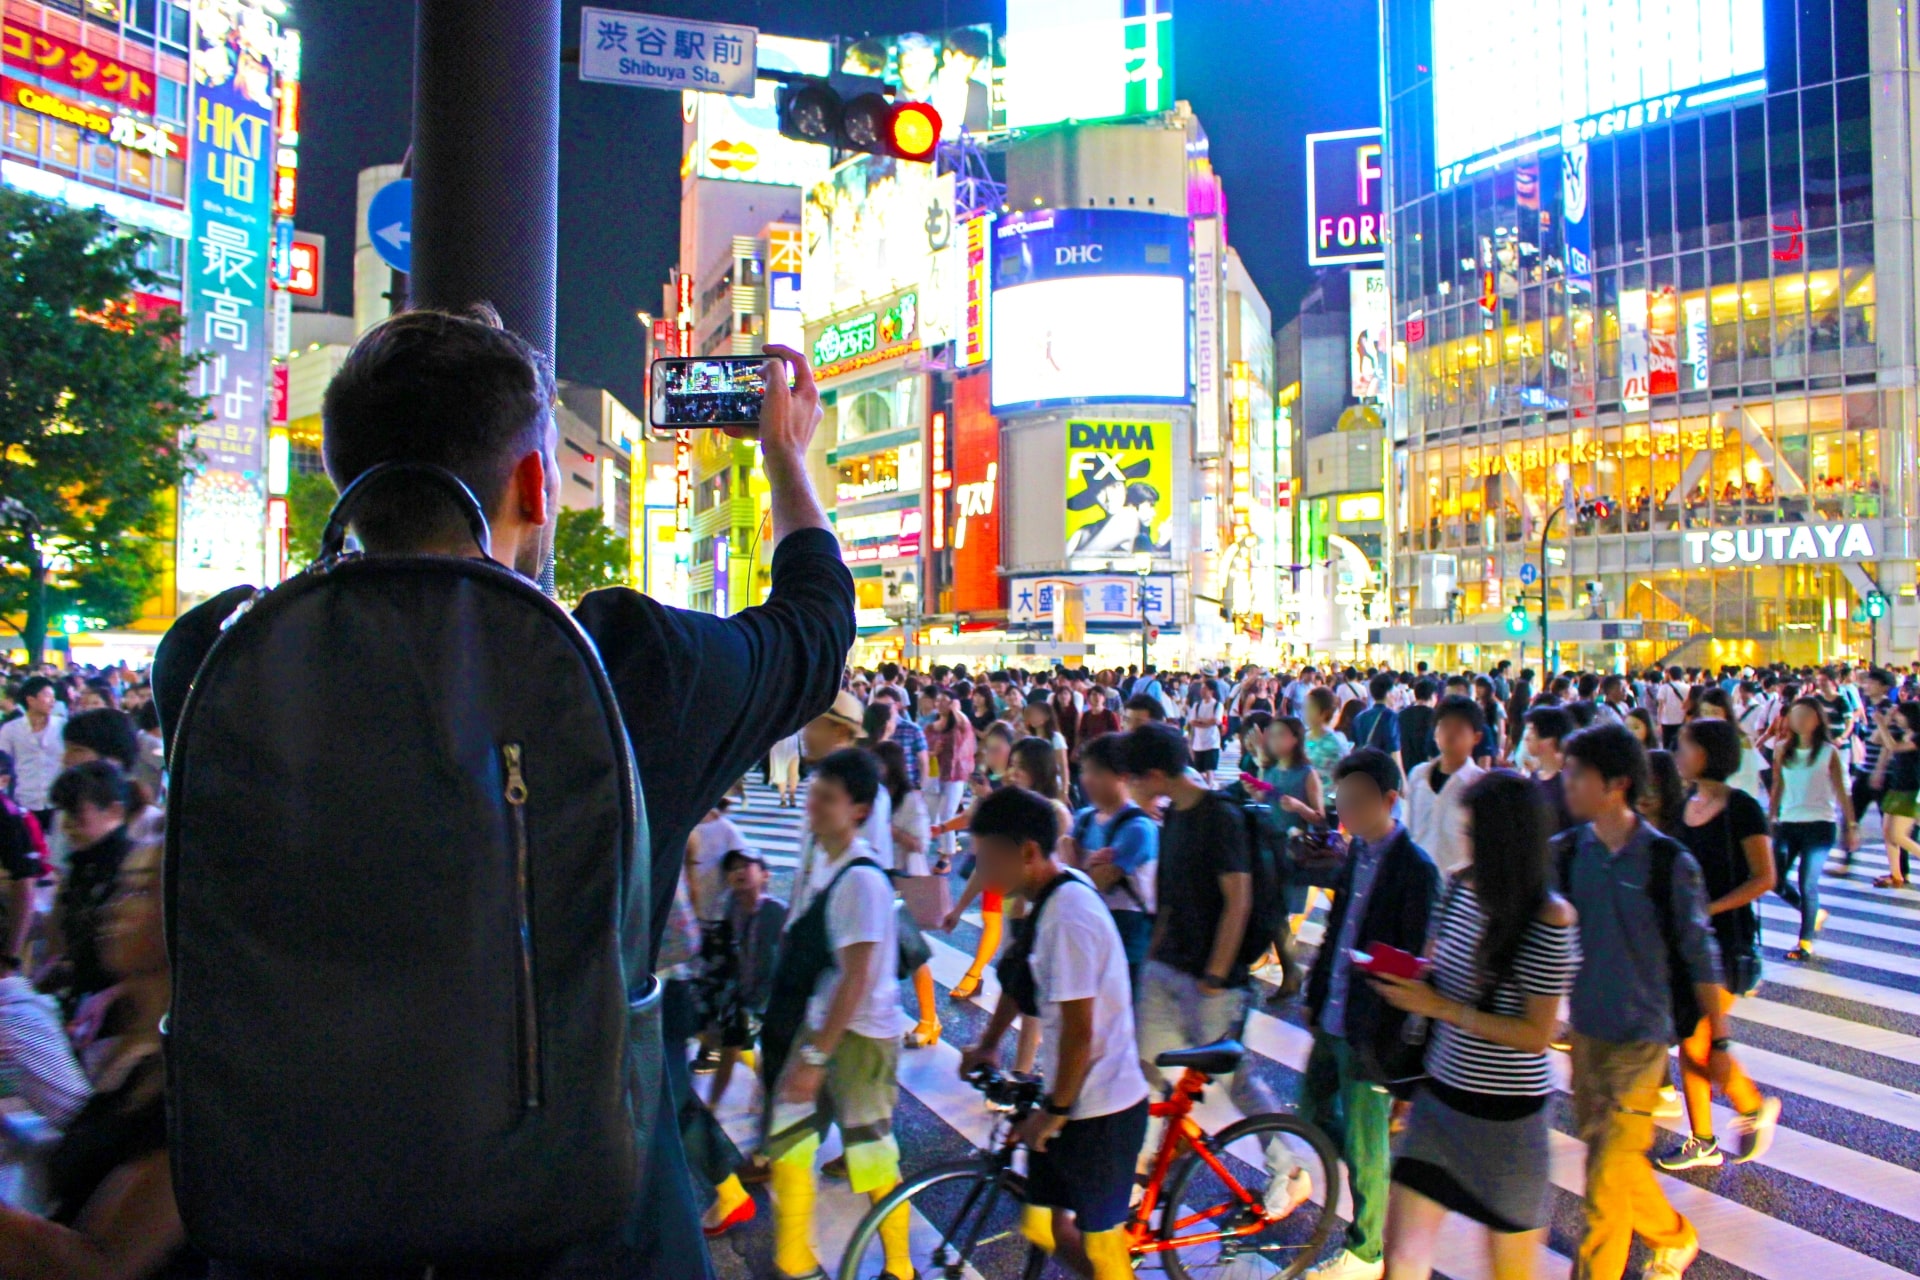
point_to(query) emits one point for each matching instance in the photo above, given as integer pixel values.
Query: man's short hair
(1458, 706)
(98, 783)
(1380, 686)
(1552, 723)
(857, 771)
(1157, 748)
(1373, 763)
(1256, 720)
(456, 391)
(1148, 703)
(32, 686)
(1611, 751)
(1017, 815)
(1108, 752)
(1424, 688)
(105, 732)
(736, 858)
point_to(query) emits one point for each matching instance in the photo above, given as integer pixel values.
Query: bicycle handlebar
(1016, 1091)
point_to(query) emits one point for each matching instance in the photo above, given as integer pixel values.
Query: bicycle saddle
(1216, 1059)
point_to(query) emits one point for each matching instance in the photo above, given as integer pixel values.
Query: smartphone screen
(716, 391)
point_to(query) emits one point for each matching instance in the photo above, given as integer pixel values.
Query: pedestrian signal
(1517, 620)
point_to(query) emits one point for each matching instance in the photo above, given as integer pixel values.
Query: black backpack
(1266, 856)
(1664, 850)
(408, 915)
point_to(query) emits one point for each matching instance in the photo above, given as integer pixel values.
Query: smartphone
(708, 391)
(1390, 961)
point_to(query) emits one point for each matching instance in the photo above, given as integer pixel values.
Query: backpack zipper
(527, 997)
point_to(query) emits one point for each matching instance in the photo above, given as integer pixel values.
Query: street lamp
(1143, 569)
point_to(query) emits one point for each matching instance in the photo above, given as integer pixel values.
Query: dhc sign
(1782, 544)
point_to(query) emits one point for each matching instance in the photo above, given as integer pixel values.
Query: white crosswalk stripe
(1837, 1195)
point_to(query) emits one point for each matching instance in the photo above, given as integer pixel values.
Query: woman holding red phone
(1504, 953)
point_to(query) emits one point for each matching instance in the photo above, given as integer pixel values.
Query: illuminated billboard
(952, 71)
(1087, 60)
(1119, 490)
(1089, 306)
(875, 226)
(1346, 198)
(1514, 75)
(737, 139)
(1368, 325)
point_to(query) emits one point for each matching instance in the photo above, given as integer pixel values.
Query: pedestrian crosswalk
(1838, 1194)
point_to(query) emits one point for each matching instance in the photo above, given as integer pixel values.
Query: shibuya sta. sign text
(1782, 544)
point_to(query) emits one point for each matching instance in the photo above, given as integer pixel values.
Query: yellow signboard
(1119, 490)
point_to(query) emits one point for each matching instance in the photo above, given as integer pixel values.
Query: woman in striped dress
(1504, 952)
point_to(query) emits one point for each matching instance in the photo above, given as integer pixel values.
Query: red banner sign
(975, 497)
(75, 66)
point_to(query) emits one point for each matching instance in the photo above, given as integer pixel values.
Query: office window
(1849, 38)
(1750, 170)
(173, 179)
(102, 160)
(140, 15)
(1689, 215)
(63, 145)
(1717, 168)
(1853, 136)
(175, 24)
(23, 130)
(170, 100)
(1783, 127)
(1816, 41)
(136, 169)
(1600, 189)
(1819, 194)
(1659, 177)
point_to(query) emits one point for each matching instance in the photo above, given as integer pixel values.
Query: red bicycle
(1255, 1201)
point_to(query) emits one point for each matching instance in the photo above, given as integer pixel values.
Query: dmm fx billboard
(223, 503)
(1119, 490)
(1346, 198)
(1847, 541)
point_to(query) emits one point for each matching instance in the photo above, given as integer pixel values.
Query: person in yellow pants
(1067, 968)
(831, 1036)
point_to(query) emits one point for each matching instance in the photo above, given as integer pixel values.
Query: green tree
(94, 411)
(310, 497)
(586, 555)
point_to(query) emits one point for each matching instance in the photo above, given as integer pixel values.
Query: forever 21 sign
(1782, 544)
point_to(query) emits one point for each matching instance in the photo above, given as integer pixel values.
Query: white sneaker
(1671, 1264)
(1753, 1134)
(1284, 1195)
(1346, 1266)
(1670, 1104)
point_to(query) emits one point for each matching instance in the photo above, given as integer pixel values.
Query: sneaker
(707, 1062)
(1753, 1134)
(1671, 1264)
(1346, 1265)
(1284, 1195)
(1670, 1104)
(1694, 1153)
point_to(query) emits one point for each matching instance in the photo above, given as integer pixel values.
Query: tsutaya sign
(1783, 544)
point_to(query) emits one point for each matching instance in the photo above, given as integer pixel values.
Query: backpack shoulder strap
(1663, 850)
(1565, 845)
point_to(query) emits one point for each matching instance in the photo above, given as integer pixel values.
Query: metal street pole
(1546, 644)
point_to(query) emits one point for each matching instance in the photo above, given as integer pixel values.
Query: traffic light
(855, 117)
(1595, 509)
(1517, 620)
(1876, 604)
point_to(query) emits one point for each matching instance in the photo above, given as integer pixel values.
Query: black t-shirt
(1555, 790)
(1416, 735)
(1197, 847)
(1718, 845)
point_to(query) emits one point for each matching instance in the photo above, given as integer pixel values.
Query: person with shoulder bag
(1503, 954)
(1726, 831)
(1650, 969)
(1808, 791)
(1117, 844)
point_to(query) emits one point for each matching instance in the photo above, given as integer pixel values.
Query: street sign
(1529, 574)
(390, 224)
(646, 51)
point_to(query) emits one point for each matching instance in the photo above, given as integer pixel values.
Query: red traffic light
(915, 131)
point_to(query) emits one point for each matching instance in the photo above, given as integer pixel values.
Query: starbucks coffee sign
(1806, 543)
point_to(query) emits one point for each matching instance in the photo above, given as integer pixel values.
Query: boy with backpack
(1647, 949)
(1118, 846)
(830, 1041)
(1385, 894)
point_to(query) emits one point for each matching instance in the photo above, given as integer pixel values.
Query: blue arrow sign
(390, 224)
(1529, 574)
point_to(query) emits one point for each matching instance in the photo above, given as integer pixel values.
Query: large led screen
(1508, 71)
(1087, 60)
(1089, 305)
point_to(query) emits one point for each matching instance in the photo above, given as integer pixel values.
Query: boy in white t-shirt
(1066, 965)
(831, 1035)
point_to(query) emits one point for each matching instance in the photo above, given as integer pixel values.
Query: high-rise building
(1653, 329)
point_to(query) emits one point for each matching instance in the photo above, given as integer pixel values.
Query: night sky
(1259, 73)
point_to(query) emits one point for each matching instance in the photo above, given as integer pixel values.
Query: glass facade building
(1710, 374)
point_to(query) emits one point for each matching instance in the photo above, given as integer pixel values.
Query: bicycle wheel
(1226, 1239)
(964, 1223)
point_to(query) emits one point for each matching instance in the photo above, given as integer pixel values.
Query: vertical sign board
(1368, 325)
(223, 502)
(1346, 198)
(974, 347)
(1663, 341)
(1698, 356)
(1636, 381)
(1206, 336)
(976, 496)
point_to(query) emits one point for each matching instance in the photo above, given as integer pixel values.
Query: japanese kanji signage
(651, 52)
(223, 505)
(75, 66)
(1115, 601)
